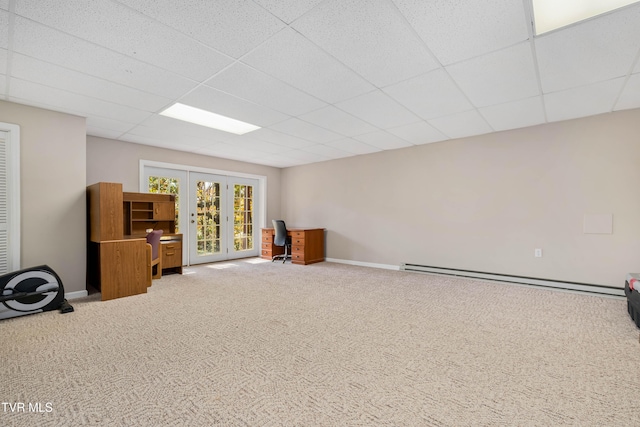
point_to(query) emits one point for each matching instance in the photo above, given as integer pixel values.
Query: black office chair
(281, 239)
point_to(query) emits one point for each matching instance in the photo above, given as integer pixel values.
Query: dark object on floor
(631, 290)
(32, 290)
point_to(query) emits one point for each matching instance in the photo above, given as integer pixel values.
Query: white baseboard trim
(364, 264)
(76, 294)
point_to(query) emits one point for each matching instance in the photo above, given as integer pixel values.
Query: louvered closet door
(4, 209)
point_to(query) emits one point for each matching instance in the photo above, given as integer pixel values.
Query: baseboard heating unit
(556, 284)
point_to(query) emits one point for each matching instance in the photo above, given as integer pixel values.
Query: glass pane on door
(208, 218)
(243, 217)
(166, 185)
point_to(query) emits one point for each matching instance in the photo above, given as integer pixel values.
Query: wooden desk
(117, 246)
(118, 268)
(307, 245)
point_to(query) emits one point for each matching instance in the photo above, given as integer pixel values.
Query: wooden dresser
(307, 245)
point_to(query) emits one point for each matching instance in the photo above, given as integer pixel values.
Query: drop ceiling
(324, 79)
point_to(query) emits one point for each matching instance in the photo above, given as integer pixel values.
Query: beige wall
(110, 160)
(481, 203)
(52, 191)
(485, 203)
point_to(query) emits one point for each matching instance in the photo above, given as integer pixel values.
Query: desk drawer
(267, 238)
(297, 249)
(299, 241)
(171, 254)
(269, 253)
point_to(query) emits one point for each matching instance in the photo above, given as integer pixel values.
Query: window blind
(4, 209)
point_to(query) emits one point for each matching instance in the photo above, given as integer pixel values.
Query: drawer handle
(170, 253)
(169, 246)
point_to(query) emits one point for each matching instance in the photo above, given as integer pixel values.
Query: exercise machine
(32, 290)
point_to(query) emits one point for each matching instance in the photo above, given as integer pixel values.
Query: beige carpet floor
(247, 343)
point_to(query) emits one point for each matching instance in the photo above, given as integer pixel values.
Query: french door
(217, 215)
(222, 215)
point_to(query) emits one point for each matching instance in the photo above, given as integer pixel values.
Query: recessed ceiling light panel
(553, 14)
(208, 119)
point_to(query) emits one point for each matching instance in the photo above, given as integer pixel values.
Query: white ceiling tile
(516, 114)
(219, 102)
(497, 77)
(455, 31)
(72, 102)
(430, 95)
(276, 161)
(304, 130)
(461, 125)
(630, 97)
(305, 156)
(30, 69)
(288, 10)
(185, 129)
(352, 146)
(378, 109)
(126, 31)
(268, 162)
(247, 83)
(219, 149)
(293, 59)
(256, 144)
(279, 138)
(582, 101)
(141, 140)
(4, 4)
(230, 26)
(4, 29)
(157, 136)
(327, 151)
(116, 126)
(418, 133)
(102, 133)
(344, 123)
(52, 46)
(158, 142)
(594, 50)
(370, 37)
(383, 140)
(3, 61)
